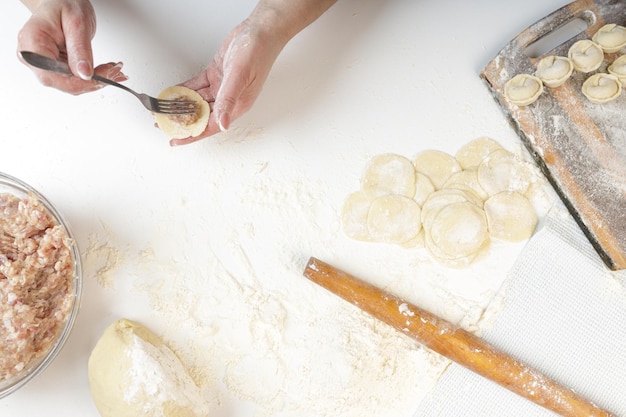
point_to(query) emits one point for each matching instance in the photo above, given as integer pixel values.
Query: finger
(78, 35)
(226, 101)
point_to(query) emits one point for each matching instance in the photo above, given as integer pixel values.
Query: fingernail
(84, 70)
(224, 122)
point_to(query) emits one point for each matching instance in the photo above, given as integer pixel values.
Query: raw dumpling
(618, 68)
(510, 216)
(611, 37)
(586, 55)
(389, 174)
(436, 165)
(180, 126)
(394, 219)
(554, 70)
(523, 89)
(601, 88)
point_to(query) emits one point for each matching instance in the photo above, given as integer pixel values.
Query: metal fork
(153, 104)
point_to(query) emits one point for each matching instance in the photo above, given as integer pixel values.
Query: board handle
(554, 33)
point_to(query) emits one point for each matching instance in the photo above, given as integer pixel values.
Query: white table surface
(241, 212)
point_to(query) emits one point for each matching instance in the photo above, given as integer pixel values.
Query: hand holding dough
(180, 126)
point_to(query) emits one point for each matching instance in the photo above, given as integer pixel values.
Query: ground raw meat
(36, 282)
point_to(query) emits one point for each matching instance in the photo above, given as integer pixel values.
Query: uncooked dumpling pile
(452, 205)
(585, 56)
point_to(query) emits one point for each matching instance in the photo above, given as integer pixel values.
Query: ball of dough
(510, 216)
(132, 373)
(180, 126)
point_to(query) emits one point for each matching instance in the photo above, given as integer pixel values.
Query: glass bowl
(8, 385)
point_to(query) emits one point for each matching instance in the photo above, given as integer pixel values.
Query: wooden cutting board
(579, 145)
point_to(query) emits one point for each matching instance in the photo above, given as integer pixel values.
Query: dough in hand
(132, 373)
(180, 126)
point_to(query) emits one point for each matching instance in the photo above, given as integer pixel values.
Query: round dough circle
(502, 171)
(586, 55)
(123, 368)
(601, 88)
(459, 229)
(510, 216)
(472, 153)
(389, 174)
(436, 165)
(183, 126)
(467, 180)
(394, 219)
(554, 70)
(423, 188)
(610, 37)
(354, 215)
(523, 89)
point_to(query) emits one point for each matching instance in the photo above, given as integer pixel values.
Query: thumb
(78, 42)
(226, 101)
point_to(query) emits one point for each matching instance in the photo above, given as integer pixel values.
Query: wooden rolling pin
(453, 342)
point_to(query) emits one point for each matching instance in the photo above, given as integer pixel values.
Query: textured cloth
(561, 312)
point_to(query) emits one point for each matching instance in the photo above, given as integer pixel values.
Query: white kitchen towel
(563, 313)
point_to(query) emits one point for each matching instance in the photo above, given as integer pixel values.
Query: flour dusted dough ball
(503, 171)
(510, 216)
(610, 37)
(389, 174)
(394, 219)
(354, 215)
(472, 153)
(523, 89)
(586, 55)
(132, 373)
(554, 70)
(602, 88)
(180, 126)
(436, 165)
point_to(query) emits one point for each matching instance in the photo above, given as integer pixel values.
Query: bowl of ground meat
(40, 283)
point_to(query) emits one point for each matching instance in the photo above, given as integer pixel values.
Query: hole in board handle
(560, 35)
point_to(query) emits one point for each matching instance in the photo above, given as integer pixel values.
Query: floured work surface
(579, 145)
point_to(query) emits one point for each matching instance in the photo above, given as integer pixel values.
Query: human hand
(234, 79)
(63, 30)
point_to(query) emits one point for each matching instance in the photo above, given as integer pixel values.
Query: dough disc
(394, 219)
